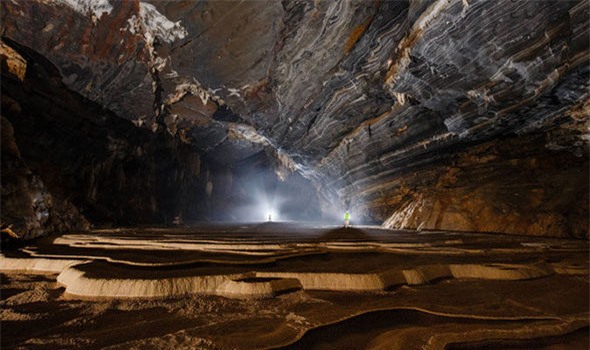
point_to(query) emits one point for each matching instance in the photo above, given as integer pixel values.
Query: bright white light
(264, 203)
(271, 214)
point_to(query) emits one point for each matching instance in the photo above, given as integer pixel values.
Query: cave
(177, 174)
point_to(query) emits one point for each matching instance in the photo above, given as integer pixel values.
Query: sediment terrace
(282, 284)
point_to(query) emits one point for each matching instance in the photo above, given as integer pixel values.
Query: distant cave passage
(69, 164)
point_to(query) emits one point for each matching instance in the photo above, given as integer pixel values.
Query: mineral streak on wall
(459, 115)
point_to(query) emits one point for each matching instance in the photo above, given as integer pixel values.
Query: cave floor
(287, 285)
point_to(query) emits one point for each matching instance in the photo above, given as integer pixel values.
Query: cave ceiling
(308, 78)
(341, 91)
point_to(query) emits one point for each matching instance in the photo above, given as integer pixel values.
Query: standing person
(346, 219)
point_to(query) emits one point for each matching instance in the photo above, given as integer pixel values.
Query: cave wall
(444, 114)
(522, 181)
(28, 207)
(509, 186)
(69, 164)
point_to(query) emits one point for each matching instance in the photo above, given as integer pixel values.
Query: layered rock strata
(394, 109)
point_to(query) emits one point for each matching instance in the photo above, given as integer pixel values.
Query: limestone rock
(374, 102)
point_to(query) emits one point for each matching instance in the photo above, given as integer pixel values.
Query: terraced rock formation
(274, 285)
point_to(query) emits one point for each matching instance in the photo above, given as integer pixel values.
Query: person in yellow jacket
(346, 219)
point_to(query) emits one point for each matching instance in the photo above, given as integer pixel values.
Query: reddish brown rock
(507, 187)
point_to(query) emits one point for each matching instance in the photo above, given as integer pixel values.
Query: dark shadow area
(257, 279)
(344, 234)
(579, 339)
(10, 244)
(285, 291)
(8, 292)
(359, 331)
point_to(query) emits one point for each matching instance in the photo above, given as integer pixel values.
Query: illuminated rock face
(459, 115)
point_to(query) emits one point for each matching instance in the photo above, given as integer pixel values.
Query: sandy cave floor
(284, 285)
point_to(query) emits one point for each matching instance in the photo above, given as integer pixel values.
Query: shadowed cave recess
(430, 115)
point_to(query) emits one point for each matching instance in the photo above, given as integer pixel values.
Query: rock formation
(457, 115)
(295, 286)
